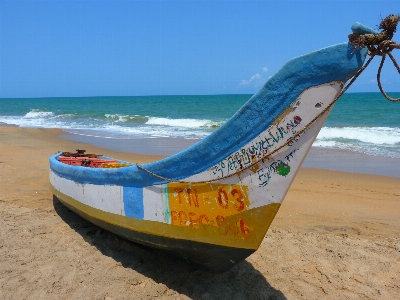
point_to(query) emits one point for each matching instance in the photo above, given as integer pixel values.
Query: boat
(211, 204)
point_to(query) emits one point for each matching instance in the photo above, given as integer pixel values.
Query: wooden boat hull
(215, 258)
(212, 204)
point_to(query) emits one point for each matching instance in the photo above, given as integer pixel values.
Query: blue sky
(127, 48)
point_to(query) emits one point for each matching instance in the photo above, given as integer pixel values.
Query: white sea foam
(379, 141)
(134, 119)
(38, 114)
(117, 118)
(120, 132)
(186, 123)
(326, 144)
(41, 119)
(370, 135)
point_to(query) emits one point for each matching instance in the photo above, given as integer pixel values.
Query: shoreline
(318, 158)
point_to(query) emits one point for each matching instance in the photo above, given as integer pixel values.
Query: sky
(133, 48)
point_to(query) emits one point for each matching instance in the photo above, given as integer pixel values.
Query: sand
(336, 236)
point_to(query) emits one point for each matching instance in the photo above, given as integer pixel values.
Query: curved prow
(332, 64)
(335, 63)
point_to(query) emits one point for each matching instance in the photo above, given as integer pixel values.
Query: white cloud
(251, 80)
(256, 80)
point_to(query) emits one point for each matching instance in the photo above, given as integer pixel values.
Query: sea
(360, 122)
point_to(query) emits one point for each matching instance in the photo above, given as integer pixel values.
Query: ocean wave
(43, 120)
(369, 135)
(185, 123)
(386, 151)
(35, 113)
(137, 119)
(38, 114)
(377, 141)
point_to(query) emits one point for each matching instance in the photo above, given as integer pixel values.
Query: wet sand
(335, 237)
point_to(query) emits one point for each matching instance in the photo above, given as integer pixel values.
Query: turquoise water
(360, 122)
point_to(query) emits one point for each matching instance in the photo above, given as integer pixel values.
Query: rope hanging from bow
(380, 44)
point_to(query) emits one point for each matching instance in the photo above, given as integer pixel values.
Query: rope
(378, 76)
(378, 45)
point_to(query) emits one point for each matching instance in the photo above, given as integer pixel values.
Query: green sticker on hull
(283, 169)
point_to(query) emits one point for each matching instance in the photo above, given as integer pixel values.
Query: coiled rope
(380, 44)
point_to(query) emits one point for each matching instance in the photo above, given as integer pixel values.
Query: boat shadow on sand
(241, 282)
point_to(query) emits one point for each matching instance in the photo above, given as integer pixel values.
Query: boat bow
(212, 203)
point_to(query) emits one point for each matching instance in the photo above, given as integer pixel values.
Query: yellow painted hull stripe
(243, 230)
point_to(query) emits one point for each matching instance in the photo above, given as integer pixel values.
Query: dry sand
(336, 236)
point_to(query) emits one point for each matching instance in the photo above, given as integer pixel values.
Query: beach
(334, 237)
